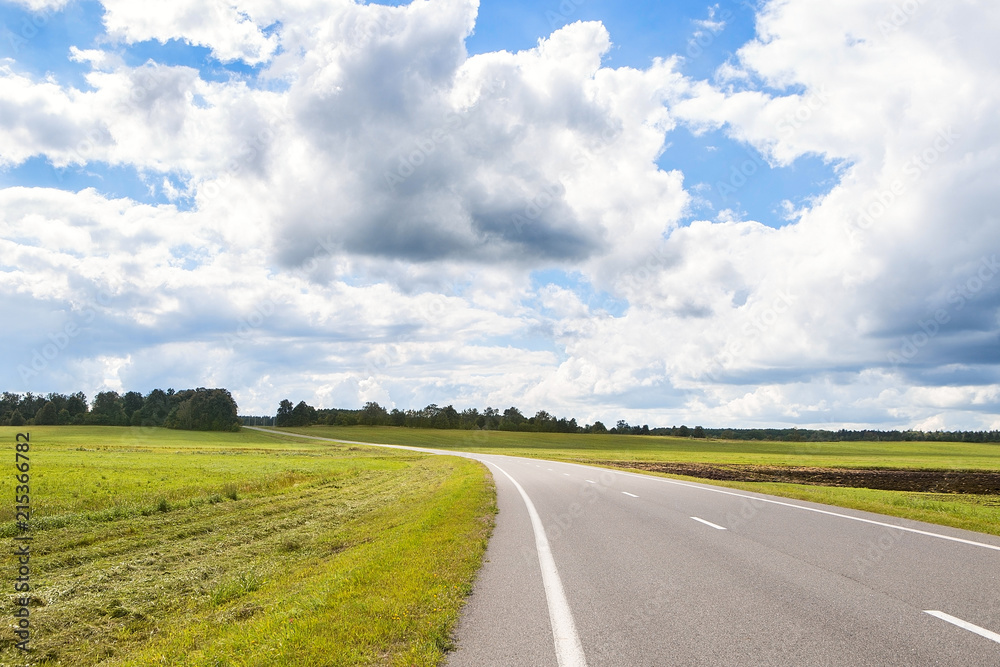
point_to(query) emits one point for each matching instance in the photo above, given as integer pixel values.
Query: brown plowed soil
(888, 479)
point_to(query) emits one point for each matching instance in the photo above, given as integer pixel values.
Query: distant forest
(192, 409)
(512, 419)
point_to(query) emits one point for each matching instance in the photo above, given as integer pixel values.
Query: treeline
(512, 419)
(193, 409)
(432, 416)
(843, 435)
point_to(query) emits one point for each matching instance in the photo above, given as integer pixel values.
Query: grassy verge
(971, 512)
(158, 547)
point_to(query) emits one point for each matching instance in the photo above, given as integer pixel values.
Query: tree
(447, 417)
(512, 419)
(16, 419)
(216, 411)
(154, 411)
(284, 416)
(31, 404)
(491, 418)
(76, 404)
(374, 414)
(347, 418)
(303, 414)
(9, 402)
(107, 409)
(131, 403)
(204, 410)
(58, 401)
(471, 419)
(543, 421)
(598, 427)
(47, 415)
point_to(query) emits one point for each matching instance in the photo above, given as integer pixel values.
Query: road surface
(617, 568)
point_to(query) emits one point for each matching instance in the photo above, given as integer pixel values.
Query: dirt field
(933, 481)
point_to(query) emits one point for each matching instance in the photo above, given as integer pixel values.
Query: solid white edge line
(705, 487)
(708, 523)
(630, 494)
(701, 487)
(569, 650)
(965, 625)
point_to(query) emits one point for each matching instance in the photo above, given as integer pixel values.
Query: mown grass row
(293, 553)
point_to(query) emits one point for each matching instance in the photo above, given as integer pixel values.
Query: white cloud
(42, 6)
(220, 25)
(40, 117)
(713, 23)
(98, 59)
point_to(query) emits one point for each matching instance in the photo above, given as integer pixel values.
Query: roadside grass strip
(195, 553)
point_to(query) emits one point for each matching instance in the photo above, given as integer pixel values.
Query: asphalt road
(628, 569)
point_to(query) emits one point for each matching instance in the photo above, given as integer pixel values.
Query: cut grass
(245, 549)
(970, 512)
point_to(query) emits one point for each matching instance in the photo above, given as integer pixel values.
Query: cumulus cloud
(892, 270)
(228, 31)
(500, 157)
(117, 294)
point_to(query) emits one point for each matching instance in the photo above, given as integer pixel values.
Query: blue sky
(422, 201)
(643, 30)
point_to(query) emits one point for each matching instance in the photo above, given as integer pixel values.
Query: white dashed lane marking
(965, 625)
(708, 523)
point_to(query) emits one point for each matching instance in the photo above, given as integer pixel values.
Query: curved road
(625, 569)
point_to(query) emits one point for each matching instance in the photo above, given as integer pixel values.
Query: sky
(740, 214)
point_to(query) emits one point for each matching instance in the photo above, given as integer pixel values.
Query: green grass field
(179, 548)
(972, 512)
(587, 447)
